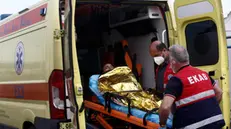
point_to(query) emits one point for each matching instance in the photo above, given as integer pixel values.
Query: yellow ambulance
(49, 51)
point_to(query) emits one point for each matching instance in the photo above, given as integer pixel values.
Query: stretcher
(126, 113)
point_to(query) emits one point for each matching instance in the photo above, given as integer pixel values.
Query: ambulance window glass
(202, 43)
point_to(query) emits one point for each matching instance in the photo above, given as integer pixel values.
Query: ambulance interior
(102, 28)
(99, 34)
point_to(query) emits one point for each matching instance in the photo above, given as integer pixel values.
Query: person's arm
(165, 109)
(173, 90)
(217, 90)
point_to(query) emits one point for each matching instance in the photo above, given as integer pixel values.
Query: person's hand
(149, 90)
(162, 127)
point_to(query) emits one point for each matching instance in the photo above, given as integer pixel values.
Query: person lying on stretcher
(121, 81)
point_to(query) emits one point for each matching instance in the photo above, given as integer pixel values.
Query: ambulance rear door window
(202, 43)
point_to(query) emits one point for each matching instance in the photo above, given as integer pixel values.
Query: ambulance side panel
(27, 58)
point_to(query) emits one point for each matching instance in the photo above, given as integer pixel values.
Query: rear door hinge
(58, 33)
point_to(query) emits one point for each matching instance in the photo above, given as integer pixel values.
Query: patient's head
(107, 67)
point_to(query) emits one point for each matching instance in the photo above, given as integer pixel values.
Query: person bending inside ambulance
(160, 53)
(194, 93)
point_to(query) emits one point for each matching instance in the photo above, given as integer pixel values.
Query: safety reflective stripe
(194, 97)
(204, 122)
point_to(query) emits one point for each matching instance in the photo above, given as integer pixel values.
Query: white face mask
(159, 60)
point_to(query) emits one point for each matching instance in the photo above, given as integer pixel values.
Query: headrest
(124, 43)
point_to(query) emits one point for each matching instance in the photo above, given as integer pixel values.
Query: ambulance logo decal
(169, 76)
(19, 58)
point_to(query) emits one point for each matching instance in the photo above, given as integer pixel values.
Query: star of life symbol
(19, 59)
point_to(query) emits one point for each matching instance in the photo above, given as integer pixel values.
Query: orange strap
(139, 69)
(128, 60)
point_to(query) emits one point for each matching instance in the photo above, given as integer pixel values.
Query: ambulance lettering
(197, 78)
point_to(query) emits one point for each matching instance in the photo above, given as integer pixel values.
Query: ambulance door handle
(163, 35)
(222, 78)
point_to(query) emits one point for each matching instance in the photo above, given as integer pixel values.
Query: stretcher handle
(148, 113)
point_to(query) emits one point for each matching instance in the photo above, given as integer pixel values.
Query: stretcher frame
(119, 115)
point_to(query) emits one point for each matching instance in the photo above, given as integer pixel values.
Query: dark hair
(161, 47)
(154, 39)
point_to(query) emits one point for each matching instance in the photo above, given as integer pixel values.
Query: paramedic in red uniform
(160, 54)
(194, 93)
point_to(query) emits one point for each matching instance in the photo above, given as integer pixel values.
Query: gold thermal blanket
(121, 81)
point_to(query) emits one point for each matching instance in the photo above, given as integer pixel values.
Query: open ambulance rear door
(200, 28)
(71, 68)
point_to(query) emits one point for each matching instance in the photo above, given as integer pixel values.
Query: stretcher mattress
(93, 84)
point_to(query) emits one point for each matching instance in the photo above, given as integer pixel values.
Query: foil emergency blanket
(121, 81)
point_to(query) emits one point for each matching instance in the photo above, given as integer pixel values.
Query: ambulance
(49, 51)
